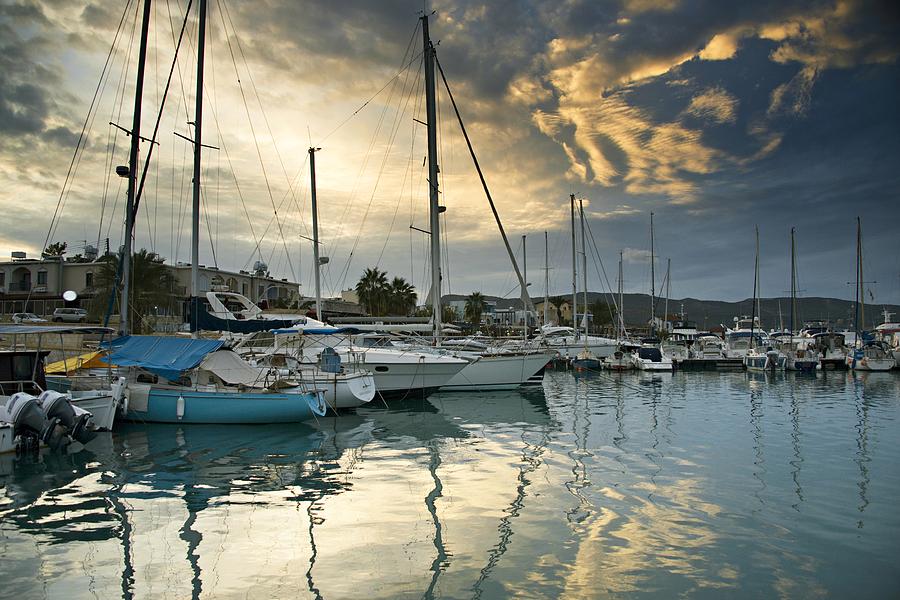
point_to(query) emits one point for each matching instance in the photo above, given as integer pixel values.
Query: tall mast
(574, 269)
(198, 144)
(856, 290)
(755, 282)
(132, 173)
(862, 281)
(546, 277)
(620, 332)
(525, 279)
(315, 224)
(433, 204)
(652, 280)
(668, 289)
(793, 286)
(584, 269)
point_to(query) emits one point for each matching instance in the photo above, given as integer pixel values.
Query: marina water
(688, 484)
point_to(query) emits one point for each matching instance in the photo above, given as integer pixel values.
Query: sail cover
(167, 357)
(231, 368)
(202, 320)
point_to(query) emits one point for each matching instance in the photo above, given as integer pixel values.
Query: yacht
(567, 342)
(889, 333)
(832, 350)
(649, 357)
(746, 333)
(764, 359)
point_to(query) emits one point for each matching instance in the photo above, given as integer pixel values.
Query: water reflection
(742, 485)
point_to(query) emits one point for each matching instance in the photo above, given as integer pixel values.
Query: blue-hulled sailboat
(180, 380)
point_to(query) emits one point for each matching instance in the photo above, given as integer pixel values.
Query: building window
(2, 278)
(88, 280)
(42, 278)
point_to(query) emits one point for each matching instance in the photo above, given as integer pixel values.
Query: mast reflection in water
(745, 485)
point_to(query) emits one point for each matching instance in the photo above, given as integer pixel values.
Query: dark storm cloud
(28, 88)
(716, 115)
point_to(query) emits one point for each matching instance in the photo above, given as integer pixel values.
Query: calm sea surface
(694, 484)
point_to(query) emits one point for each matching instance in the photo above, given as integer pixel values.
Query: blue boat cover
(311, 331)
(165, 356)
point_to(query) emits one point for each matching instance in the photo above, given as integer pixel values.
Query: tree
(372, 291)
(601, 312)
(402, 297)
(56, 249)
(475, 305)
(152, 285)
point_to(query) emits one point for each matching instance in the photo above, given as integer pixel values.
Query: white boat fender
(179, 407)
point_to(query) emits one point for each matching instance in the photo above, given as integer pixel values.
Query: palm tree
(152, 285)
(402, 296)
(371, 289)
(475, 305)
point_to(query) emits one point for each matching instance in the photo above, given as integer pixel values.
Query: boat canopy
(167, 357)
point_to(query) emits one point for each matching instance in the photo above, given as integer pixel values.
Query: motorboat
(747, 333)
(25, 369)
(649, 357)
(768, 359)
(622, 358)
(800, 354)
(831, 349)
(398, 373)
(871, 356)
(568, 342)
(889, 333)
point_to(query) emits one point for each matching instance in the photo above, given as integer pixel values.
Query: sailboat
(585, 361)
(649, 355)
(867, 354)
(175, 380)
(568, 342)
(800, 355)
(621, 359)
(759, 359)
(491, 368)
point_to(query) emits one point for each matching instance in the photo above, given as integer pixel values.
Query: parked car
(69, 315)
(27, 318)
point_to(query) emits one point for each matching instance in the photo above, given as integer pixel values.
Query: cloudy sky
(716, 116)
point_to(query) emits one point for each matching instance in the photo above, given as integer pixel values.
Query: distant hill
(710, 313)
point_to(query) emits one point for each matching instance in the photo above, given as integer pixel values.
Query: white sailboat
(760, 358)
(866, 355)
(799, 354)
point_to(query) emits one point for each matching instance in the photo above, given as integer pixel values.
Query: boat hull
(192, 406)
(500, 372)
(343, 390)
(102, 406)
(649, 365)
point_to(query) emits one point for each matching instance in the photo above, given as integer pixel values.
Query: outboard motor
(24, 412)
(76, 420)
